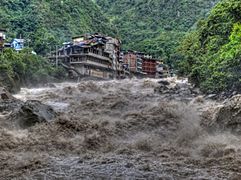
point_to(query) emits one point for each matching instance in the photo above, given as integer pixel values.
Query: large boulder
(175, 89)
(228, 116)
(31, 113)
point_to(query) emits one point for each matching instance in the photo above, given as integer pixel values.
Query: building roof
(18, 40)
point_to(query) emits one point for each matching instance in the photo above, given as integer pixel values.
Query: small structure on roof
(17, 44)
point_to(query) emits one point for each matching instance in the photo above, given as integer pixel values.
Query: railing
(88, 62)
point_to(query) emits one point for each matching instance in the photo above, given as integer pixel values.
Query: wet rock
(32, 112)
(211, 96)
(163, 89)
(7, 101)
(163, 82)
(228, 116)
(181, 90)
(198, 99)
(129, 165)
(5, 95)
(51, 85)
(10, 105)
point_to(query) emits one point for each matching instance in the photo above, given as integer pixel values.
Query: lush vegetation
(43, 24)
(209, 52)
(155, 26)
(46, 23)
(24, 68)
(211, 55)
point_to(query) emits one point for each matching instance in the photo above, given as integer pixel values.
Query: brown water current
(119, 130)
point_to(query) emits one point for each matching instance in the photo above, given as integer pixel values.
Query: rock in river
(228, 116)
(32, 112)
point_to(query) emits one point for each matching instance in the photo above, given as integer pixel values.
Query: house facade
(149, 66)
(17, 44)
(112, 47)
(140, 64)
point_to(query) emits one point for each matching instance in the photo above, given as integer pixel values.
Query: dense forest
(211, 55)
(155, 26)
(25, 69)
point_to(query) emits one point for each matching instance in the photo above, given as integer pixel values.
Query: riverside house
(92, 55)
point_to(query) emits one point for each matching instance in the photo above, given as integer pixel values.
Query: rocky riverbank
(125, 129)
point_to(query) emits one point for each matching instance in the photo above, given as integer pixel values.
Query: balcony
(81, 54)
(91, 63)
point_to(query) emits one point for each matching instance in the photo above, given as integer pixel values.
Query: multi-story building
(89, 55)
(149, 66)
(130, 61)
(112, 47)
(140, 65)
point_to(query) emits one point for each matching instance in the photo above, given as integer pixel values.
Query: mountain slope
(211, 55)
(51, 21)
(144, 24)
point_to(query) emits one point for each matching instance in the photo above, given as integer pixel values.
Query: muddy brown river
(120, 130)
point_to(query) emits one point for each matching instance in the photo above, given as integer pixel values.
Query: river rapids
(119, 130)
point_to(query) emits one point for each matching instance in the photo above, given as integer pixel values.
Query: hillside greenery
(211, 55)
(154, 26)
(25, 69)
(47, 23)
(43, 24)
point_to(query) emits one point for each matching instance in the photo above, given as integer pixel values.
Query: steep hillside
(150, 25)
(46, 22)
(211, 55)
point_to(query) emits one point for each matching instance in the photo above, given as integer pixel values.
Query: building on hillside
(2, 38)
(124, 66)
(112, 47)
(17, 44)
(92, 55)
(139, 62)
(162, 70)
(149, 66)
(130, 61)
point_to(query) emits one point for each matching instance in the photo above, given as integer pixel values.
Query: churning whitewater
(128, 129)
